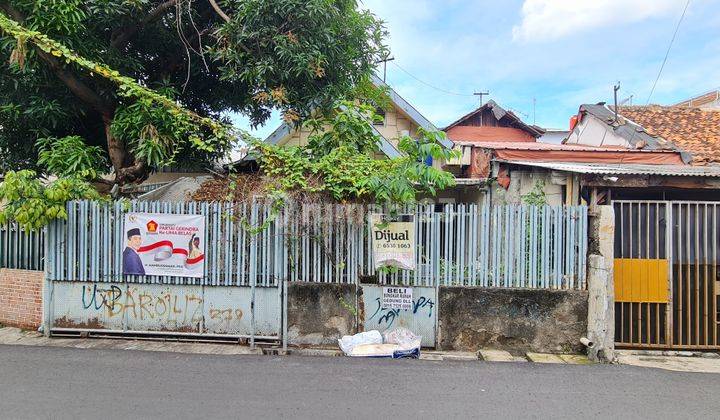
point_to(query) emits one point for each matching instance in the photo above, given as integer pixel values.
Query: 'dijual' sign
(393, 240)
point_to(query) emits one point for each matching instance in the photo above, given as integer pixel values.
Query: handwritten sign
(397, 298)
(393, 240)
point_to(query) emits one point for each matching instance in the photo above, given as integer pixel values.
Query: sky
(556, 54)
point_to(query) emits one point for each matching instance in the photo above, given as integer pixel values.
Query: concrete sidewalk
(15, 336)
(708, 364)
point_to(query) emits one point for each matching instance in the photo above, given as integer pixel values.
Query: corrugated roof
(499, 145)
(179, 190)
(625, 169)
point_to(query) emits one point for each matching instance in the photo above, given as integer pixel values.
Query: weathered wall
(524, 182)
(601, 286)
(517, 320)
(320, 313)
(21, 298)
(167, 308)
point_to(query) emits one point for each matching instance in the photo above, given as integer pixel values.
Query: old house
(400, 119)
(659, 167)
(640, 152)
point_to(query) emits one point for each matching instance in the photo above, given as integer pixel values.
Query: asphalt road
(38, 382)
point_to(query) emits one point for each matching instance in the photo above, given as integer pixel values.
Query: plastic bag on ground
(408, 344)
(403, 337)
(349, 342)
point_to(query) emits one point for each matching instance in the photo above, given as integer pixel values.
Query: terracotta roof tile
(690, 129)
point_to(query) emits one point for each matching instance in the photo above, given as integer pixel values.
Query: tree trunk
(127, 169)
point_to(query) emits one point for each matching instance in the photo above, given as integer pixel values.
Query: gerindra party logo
(152, 226)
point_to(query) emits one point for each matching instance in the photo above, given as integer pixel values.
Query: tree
(211, 57)
(339, 160)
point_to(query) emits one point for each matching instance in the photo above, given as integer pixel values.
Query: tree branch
(119, 39)
(219, 11)
(77, 86)
(4, 6)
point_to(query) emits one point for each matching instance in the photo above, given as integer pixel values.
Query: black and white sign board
(397, 298)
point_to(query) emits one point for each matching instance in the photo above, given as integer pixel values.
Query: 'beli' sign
(393, 239)
(397, 298)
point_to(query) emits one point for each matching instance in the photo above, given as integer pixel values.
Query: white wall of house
(592, 132)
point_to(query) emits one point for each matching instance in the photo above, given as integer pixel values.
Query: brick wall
(21, 298)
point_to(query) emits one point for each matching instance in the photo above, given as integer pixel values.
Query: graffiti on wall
(155, 307)
(422, 306)
(419, 317)
(143, 304)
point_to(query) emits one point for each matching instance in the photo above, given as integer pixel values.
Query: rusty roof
(500, 145)
(692, 130)
(624, 168)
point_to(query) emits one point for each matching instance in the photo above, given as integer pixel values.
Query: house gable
(491, 122)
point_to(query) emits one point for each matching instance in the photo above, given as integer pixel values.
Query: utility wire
(428, 84)
(667, 52)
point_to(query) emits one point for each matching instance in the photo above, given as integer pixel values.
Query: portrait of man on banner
(132, 264)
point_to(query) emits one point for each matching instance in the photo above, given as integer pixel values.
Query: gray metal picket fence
(21, 249)
(461, 245)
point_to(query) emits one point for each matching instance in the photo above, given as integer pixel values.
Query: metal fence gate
(667, 292)
(240, 293)
(254, 249)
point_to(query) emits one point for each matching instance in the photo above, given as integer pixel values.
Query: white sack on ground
(349, 342)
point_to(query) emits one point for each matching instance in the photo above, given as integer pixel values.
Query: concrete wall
(517, 320)
(21, 298)
(523, 182)
(320, 313)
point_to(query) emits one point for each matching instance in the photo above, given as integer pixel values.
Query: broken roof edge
(626, 128)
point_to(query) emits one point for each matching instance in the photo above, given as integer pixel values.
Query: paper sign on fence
(164, 244)
(393, 240)
(397, 298)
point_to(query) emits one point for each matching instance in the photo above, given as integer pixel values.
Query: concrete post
(601, 287)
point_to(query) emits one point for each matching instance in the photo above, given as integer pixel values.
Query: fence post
(285, 316)
(253, 269)
(601, 288)
(49, 268)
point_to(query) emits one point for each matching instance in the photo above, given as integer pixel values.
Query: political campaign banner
(164, 245)
(393, 240)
